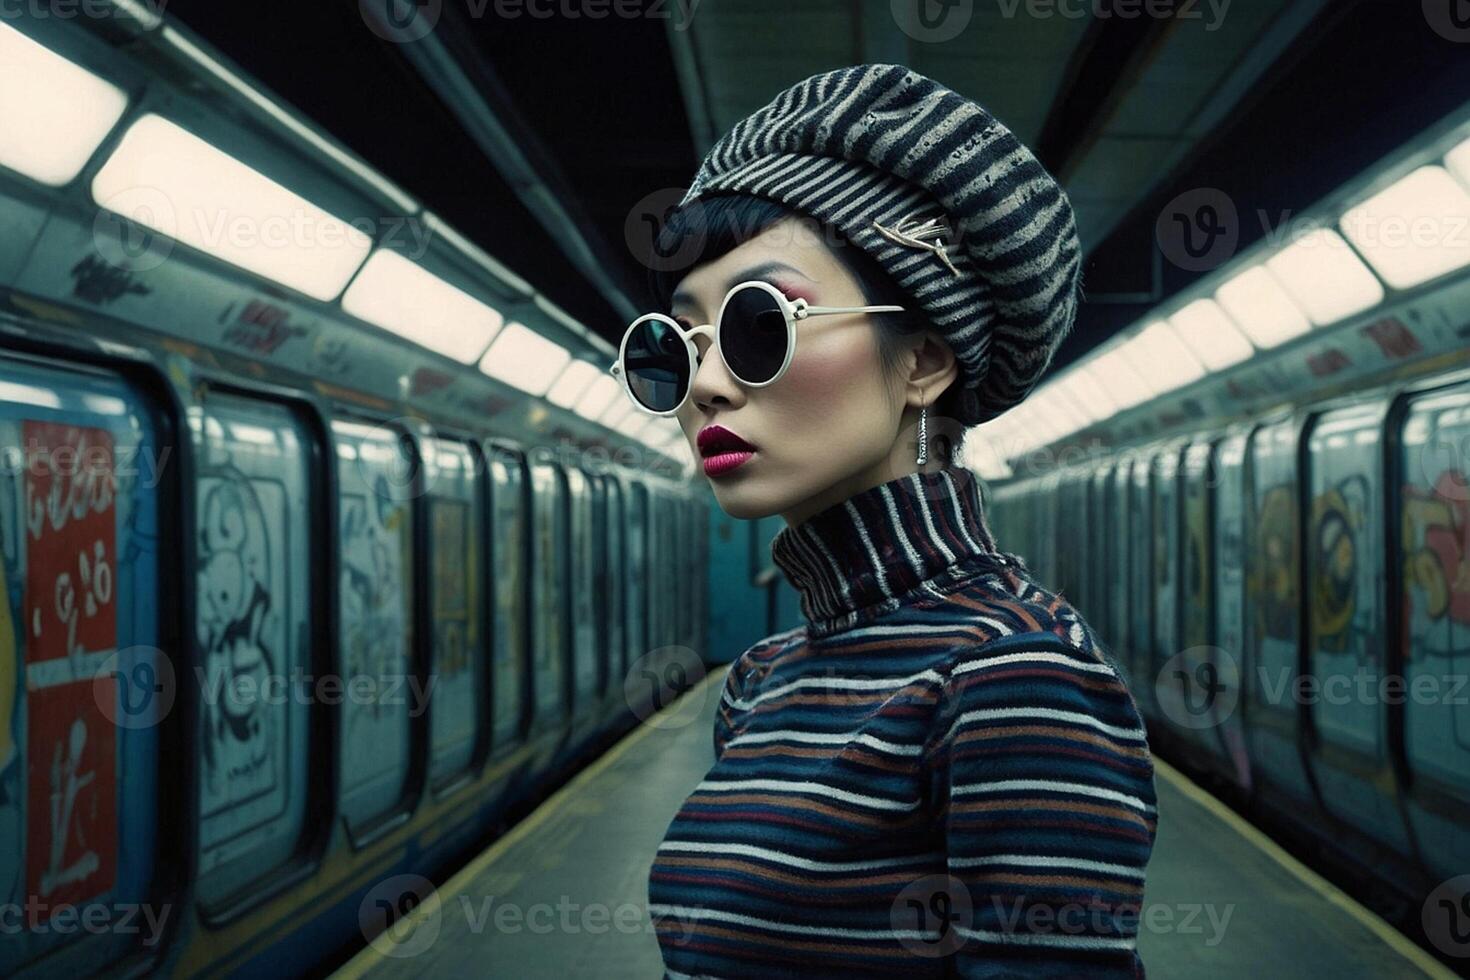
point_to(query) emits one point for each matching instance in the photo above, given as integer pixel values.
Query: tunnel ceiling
(609, 110)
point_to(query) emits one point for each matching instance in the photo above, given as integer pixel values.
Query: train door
(375, 481)
(82, 692)
(1228, 559)
(1165, 566)
(255, 619)
(1273, 564)
(638, 578)
(1119, 628)
(510, 570)
(583, 578)
(616, 580)
(1344, 564)
(1433, 522)
(550, 636)
(1141, 587)
(458, 660)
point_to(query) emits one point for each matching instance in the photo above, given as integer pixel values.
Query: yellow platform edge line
(1370, 920)
(370, 956)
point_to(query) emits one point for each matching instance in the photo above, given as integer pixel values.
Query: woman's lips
(724, 462)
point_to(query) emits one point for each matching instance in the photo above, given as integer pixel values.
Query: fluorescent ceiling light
(1113, 370)
(409, 300)
(1210, 335)
(631, 425)
(175, 183)
(1458, 162)
(985, 461)
(1415, 230)
(1092, 396)
(1325, 278)
(53, 114)
(616, 412)
(522, 357)
(1059, 409)
(572, 383)
(1161, 359)
(598, 396)
(1261, 308)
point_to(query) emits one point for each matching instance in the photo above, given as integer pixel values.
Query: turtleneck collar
(913, 536)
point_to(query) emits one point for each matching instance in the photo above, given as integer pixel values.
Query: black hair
(695, 235)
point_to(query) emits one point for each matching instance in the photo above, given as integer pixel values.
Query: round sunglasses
(755, 333)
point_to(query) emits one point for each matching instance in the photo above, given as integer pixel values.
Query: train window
(508, 550)
(616, 581)
(253, 492)
(79, 774)
(1343, 557)
(1228, 550)
(1165, 565)
(453, 479)
(1141, 583)
(1344, 564)
(584, 584)
(1098, 544)
(1273, 565)
(1434, 514)
(1118, 592)
(1195, 572)
(637, 593)
(375, 595)
(549, 585)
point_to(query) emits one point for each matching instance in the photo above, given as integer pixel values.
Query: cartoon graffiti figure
(235, 624)
(372, 592)
(1337, 517)
(1436, 529)
(1273, 570)
(67, 780)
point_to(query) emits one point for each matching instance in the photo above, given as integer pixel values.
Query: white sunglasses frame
(792, 310)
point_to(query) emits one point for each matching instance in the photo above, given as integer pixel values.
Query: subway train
(311, 590)
(297, 599)
(1273, 536)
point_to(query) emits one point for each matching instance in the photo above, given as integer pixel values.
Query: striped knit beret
(890, 158)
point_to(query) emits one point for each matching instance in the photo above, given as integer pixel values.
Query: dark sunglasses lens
(753, 335)
(657, 365)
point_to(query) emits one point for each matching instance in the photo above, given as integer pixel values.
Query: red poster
(70, 626)
(70, 530)
(71, 832)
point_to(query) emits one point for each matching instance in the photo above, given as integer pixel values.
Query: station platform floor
(1222, 899)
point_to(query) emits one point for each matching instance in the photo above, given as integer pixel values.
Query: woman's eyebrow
(754, 272)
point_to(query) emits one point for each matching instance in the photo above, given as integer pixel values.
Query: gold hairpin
(927, 235)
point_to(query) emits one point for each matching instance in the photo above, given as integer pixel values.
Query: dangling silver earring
(923, 434)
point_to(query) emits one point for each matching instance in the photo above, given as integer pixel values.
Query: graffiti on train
(1342, 621)
(1436, 544)
(69, 621)
(374, 612)
(242, 637)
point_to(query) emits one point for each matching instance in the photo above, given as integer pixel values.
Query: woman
(939, 772)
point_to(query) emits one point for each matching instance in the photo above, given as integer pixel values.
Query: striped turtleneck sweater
(938, 774)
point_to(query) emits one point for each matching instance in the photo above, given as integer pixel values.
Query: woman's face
(828, 427)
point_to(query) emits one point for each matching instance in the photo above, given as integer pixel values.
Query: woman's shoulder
(1026, 649)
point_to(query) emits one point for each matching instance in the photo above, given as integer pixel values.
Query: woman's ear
(932, 368)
